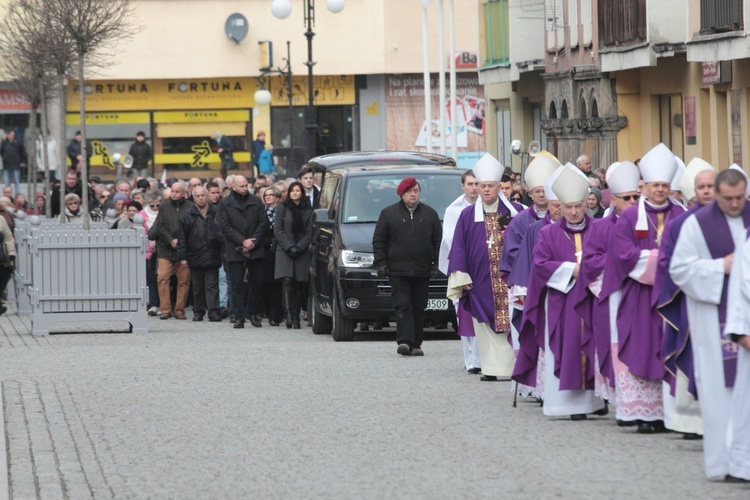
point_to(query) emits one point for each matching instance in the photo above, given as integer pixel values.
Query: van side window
(335, 201)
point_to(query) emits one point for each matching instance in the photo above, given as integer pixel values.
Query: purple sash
(719, 240)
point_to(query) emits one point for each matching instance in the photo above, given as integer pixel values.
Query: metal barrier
(22, 276)
(87, 276)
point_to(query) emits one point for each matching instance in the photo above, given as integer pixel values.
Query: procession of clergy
(646, 309)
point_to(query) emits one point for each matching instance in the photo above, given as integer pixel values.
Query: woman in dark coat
(594, 207)
(293, 232)
(271, 286)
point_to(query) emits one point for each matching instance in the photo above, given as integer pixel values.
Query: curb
(4, 479)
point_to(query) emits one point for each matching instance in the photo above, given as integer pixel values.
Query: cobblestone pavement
(199, 410)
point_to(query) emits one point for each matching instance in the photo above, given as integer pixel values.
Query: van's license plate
(437, 305)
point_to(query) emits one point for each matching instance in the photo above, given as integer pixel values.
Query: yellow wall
(637, 99)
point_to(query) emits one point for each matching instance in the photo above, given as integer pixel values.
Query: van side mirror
(320, 216)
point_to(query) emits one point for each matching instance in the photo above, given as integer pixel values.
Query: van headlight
(350, 258)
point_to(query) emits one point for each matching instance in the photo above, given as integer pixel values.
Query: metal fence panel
(83, 276)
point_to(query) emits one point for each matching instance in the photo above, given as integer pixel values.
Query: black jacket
(239, 218)
(407, 244)
(199, 239)
(141, 153)
(13, 154)
(167, 227)
(78, 189)
(74, 149)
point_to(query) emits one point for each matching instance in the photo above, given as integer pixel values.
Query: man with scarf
(548, 314)
(700, 266)
(628, 281)
(243, 222)
(199, 248)
(681, 407)
(622, 178)
(474, 275)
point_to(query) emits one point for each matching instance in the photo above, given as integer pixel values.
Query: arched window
(564, 112)
(594, 108)
(552, 111)
(582, 107)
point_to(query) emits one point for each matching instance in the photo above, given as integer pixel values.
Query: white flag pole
(427, 86)
(452, 50)
(441, 66)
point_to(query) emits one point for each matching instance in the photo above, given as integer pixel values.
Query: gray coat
(286, 267)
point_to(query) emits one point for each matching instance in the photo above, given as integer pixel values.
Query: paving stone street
(199, 410)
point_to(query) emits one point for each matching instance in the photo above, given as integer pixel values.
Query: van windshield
(367, 195)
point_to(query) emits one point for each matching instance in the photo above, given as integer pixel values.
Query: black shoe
(603, 411)
(255, 321)
(240, 323)
(224, 313)
(364, 327)
(273, 322)
(474, 370)
(578, 416)
(626, 423)
(659, 426)
(295, 324)
(417, 351)
(3, 309)
(734, 479)
(165, 316)
(404, 350)
(214, 318)
(198, 317)
(690, 436)
(488, 378)
(645, 427)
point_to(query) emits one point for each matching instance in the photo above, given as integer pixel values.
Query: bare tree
(94, 28)
(37, 53)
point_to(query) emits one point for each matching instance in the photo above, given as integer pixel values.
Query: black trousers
(205, 284)
(247, 297)
(272, 300)
(5, 275)
(409, 296)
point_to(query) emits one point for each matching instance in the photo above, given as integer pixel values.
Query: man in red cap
(406, 244)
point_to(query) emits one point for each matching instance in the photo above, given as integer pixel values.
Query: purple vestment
(570, 340)
(677, 350)
(639, 326)
(469, 254)
(519, 275)
(593, 311)
(514, 236)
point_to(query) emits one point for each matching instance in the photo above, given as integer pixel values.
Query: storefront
(14, 112)
(179, 116)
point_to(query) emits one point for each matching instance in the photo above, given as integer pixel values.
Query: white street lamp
(281, 9)
(262, 97)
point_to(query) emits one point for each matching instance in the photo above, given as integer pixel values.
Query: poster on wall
(407, 128)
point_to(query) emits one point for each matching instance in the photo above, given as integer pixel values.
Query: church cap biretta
(571, 185)
(548, 192)
(406, 185)
(539, 171)
(687, 183)
(623, 177)
(678, 174)
(488, 169)
(658, 165)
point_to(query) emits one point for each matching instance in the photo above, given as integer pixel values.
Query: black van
(344, 287)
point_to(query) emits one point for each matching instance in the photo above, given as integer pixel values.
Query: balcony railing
(719, 16)
(622, 22)
(495, 20)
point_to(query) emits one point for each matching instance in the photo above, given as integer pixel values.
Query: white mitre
(623, 177)
(734, 166)
(548, 192)
(488, 169)
(658, 165)
(687, 183)
(539, 171)
(571, 185)
(678, 174)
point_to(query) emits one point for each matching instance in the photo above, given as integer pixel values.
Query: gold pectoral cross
(579, 246)
(490, 242)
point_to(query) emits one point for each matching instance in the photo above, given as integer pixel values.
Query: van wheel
(321, 324)
(343, 328)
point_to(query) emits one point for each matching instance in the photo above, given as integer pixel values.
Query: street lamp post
(281, 9)
(263, 97)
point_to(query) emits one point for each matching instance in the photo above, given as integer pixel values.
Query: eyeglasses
(73, 203)
(628, 197)
(154, 206)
